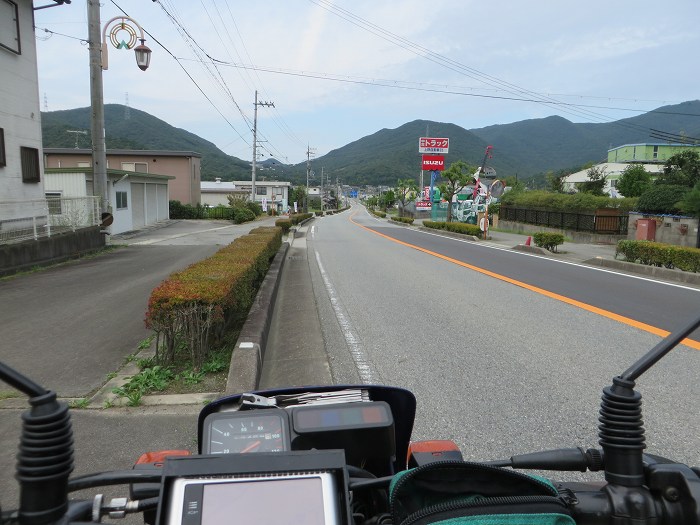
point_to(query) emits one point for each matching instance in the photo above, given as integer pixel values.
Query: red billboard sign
(433, 162)
(433, 145)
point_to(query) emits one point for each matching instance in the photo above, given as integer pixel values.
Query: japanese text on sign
(433, 145)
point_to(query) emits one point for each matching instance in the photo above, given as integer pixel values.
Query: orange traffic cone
(529, 240)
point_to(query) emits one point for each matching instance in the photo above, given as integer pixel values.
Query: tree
(681, 169)
(298, 195)
(388, 199)
(595, 183)
(555, 183)
(691, 202)
(663, 198)
(634, 181)
(458, 176)
(406, 190)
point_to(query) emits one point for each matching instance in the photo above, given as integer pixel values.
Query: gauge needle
(253, 445)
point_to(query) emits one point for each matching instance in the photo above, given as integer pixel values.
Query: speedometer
(246, 432)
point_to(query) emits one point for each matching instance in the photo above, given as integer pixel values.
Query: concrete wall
(49, 250)
(20, 115)
(679, 231)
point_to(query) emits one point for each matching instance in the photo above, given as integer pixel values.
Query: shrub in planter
(285, 224)
(455, 227)
(659, 254)
(405, 220)
(548, 241)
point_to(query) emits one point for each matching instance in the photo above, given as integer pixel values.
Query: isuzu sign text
(433, 162)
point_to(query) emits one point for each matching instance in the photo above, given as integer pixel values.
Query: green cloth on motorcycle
(463, 493)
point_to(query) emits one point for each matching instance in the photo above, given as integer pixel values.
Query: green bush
(254, 207)
(405, 220)
(576, 202)
(455, 227)
(285, 224)
(197, 304)
(186, 211)
(243, 214)
(662, 198)
(548, 241)
(319, 214)
(296, 218)
(379, 214)
(659, 254)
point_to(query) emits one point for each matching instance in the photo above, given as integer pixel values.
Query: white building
(273, 193)
(21, 172)
(613, 171)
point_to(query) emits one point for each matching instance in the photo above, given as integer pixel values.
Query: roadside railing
(582, 222)
(34, 219)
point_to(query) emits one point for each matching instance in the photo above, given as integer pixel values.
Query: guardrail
(33, 219)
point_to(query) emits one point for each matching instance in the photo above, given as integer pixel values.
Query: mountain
(528, 148)
(135, 129)
(554, 143)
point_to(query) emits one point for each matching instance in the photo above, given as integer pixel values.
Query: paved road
(496, 367)
(70, 325)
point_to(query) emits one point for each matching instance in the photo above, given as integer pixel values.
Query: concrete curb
(667, 274)
(249, 352)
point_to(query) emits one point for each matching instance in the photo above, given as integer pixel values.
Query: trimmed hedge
(565, 202)
(296, 218)
(285, 224)
(197, 304)
(379, 214)
(455, 227)
(660, 254)
(405, 220)
(548, 241)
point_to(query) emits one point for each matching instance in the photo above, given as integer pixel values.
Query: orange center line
(568, 300)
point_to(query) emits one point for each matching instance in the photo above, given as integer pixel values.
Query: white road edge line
(358, 353)
(594, 268)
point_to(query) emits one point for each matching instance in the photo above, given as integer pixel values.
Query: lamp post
(98, 62)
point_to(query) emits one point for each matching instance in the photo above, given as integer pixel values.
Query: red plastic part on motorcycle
(423, 452)
(158, 456)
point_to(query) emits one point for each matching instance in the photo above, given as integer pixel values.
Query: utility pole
(309, 153)
(99, 148)
(255, 139)
(322, 194)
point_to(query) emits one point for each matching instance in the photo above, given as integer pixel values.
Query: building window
(9, 26)
(30, 164)
(656, 152)
(84, 164)
(261, 190)
(53, 199)
(279, 191)
(139, 167)
(3, 159)
(122, 203)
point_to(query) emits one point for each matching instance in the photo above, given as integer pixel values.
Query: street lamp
(99, 61)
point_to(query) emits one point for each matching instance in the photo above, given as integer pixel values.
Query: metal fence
(27, 220)
(583, 222)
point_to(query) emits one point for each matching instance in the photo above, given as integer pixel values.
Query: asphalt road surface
(70, 325)
(499, 368)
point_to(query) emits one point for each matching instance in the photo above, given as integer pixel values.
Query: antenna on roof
(127, 109)
(77, 134)
(46, 102)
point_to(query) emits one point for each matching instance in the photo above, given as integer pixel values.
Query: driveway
(70, 325)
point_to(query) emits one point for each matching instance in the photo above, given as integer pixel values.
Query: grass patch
(8, 394)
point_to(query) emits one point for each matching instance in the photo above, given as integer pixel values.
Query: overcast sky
(392, 62)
